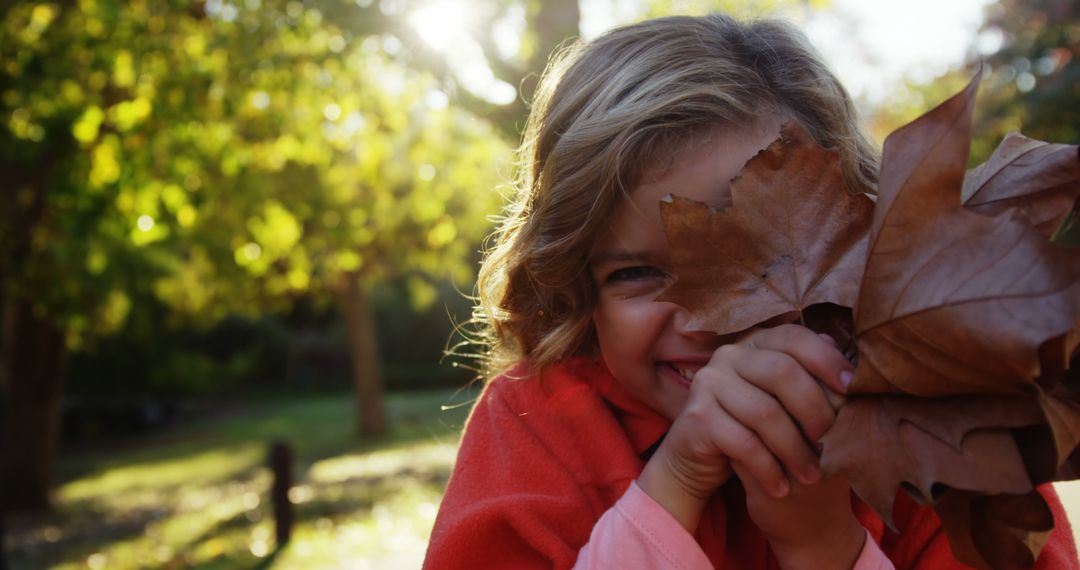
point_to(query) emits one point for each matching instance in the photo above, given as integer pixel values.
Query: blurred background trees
(204, 198)
(1031, 82)
(171, 164)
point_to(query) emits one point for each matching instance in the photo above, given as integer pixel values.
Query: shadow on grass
(110, 498)
(35, 541)
(361, 496)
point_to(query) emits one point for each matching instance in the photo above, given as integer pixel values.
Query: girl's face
(645, 343)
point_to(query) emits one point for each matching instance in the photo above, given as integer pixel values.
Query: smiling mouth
(686, 372)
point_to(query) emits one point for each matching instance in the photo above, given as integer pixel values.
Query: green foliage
(231, 158)
(303, 349)
(1036, 70)
(147, 356)
(225, 158)
(412, 343)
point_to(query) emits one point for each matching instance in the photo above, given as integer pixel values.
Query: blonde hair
(602, 114)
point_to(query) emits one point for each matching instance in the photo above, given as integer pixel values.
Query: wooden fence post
(281, 459)
(3, 551)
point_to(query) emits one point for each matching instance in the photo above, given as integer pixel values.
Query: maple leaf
(926, 446)
(1039, 178)
(964, 294)
(965, 320)
(1061, 449)
(998, 532)
(793, 237)
(952, 301)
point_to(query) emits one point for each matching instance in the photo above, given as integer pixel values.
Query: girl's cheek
(645, 312)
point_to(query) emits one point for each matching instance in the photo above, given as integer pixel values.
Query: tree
(227, 158)
(1036, 68)
(1033, 67)
(231, 157)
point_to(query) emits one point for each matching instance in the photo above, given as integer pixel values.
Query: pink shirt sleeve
(871, 557)
(638, 533)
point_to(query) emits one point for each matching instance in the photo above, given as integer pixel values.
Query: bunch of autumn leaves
(962, 313)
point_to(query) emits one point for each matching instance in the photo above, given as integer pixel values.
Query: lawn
(197, 497)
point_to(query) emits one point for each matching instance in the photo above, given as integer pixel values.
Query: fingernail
(827, 338)
(782, 489)
(845, 378)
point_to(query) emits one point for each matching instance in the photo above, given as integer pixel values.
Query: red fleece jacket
(543, 458)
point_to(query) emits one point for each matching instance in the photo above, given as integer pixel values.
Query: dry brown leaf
(882, 443)
(1061, 408)
(995, 532)
(794, 237)
(1039, 178)
(1069, 469)
(965, 306)
(959, 302)
(954, 302)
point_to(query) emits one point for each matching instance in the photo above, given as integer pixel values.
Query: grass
(197, 497)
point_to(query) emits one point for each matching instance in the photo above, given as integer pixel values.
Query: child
(619, 438)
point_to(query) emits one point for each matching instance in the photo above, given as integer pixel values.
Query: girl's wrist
(660, 483)
(839, 553)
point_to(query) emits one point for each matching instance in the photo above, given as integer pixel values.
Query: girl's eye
(637, 273)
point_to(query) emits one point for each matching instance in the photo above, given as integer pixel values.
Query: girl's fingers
(814, 353)
(785, 379)
(759, 401)
(749, 481)
(740, 443)
(771, 422)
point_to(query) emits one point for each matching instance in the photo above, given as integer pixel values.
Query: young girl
(619, 438)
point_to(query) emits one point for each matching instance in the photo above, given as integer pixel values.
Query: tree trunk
(553, 23)
(33, 364)
(364, 351)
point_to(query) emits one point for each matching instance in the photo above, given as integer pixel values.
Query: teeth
(688, 374)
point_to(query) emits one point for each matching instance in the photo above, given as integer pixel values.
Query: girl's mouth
(684, 372)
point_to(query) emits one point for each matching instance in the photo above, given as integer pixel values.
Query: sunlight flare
(441, 24)
(445, 26)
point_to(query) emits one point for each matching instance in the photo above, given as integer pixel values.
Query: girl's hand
(760, 403)
(812, 527)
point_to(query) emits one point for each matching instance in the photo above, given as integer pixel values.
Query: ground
(197, 496)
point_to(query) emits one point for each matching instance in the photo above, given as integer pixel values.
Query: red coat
(543, 458)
